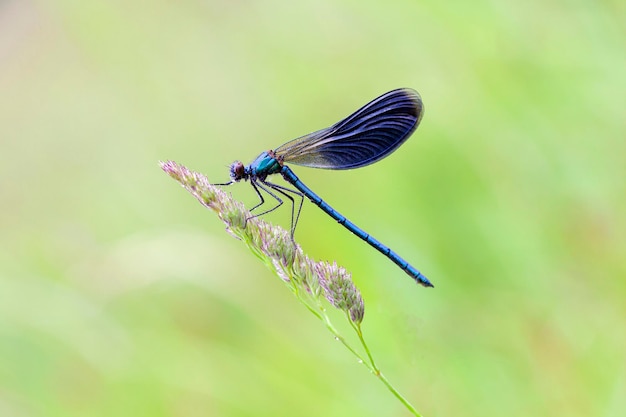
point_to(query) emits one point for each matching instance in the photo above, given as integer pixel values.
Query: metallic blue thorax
(264, 165)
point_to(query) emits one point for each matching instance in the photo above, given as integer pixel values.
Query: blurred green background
(121, 296)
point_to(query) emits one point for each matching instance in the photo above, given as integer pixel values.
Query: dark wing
(366, 136)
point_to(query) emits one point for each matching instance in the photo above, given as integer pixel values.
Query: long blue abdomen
(290, 177)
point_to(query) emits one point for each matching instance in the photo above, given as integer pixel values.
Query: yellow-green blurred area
(120, 295)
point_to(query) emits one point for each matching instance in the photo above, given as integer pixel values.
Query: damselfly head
(237, 171)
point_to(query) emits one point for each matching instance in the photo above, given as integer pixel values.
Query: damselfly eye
(237, 171)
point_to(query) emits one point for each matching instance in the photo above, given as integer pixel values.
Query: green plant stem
(376, 371)
(370, 364)
(311, 283)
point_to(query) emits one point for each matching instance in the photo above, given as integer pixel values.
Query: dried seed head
(273, 245)
(340, 291)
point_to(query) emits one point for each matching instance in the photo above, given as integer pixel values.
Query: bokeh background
(121, 296)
